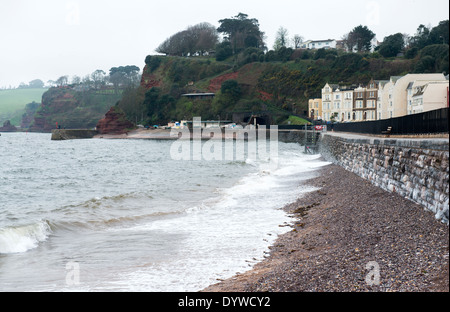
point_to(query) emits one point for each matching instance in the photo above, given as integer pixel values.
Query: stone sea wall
(417, 169)
(72, 134)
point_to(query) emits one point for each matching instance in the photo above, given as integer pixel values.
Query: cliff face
(114, 122)
(70, 109)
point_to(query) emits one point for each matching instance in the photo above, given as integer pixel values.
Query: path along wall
(416, 169)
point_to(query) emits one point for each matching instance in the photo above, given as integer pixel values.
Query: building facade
(383, 99)
(319, 44)
(315, 109)
(424, 97)
(397, 93)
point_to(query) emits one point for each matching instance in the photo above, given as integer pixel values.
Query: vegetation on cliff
(242, 75)
(67, 108)
(84, 102)
(245, 77)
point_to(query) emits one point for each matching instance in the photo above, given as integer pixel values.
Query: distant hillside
(71, 109)
(13, 102)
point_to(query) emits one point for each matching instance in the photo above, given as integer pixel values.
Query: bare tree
(62, 81)
(195, 39)
(98, 78)
(297, 41)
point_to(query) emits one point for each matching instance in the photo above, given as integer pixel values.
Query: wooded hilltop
(234, 63)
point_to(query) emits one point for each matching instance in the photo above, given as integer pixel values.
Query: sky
(47, 39)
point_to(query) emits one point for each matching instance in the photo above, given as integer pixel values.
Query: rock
(115, 122)
(8, 127)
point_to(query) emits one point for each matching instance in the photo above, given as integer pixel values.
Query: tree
(36, 83)
(359, 39)
(392, 45)
(422, 37)
(124, 76)
(76, 80)
(242, 32)
(206, 37)
(440, 33)
(98, 78)
(223, 51)
(281, 39)
(297, 41)
(195, 39)
(231, 88)
(433, 59)
(62, 81)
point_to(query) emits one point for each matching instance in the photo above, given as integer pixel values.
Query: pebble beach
(351, 236)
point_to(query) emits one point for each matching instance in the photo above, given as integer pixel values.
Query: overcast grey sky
(46, 39)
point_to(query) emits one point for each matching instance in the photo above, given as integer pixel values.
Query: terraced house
(349, 103)
(383, 99)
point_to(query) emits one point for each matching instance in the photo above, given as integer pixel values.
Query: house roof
(313, 41)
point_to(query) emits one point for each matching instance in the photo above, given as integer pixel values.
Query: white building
(427, 96)
(337, 103)
(319, 44)
(393, 95)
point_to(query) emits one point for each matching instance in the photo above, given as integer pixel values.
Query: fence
(428, 122)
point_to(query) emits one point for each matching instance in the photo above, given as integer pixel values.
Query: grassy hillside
(12, 103)
(277, 88)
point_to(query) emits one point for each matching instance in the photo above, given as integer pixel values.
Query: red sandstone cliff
(115, 122)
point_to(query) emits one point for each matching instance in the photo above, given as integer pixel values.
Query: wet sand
(346, 235)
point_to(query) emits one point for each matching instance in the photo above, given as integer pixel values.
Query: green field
(12, 103)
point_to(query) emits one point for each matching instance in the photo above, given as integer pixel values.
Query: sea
(124, 215)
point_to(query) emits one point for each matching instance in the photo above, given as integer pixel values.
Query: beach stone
(415, 168)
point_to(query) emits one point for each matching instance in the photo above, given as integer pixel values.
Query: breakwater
(71, 134)
(417, 169)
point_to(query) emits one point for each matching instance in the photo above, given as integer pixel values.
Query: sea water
(123, 215)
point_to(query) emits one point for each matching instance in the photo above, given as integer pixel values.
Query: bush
(223, 51)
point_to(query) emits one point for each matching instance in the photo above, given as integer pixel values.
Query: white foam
(22, 238)
(226, 235)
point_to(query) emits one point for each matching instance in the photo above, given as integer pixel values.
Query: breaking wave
(18, 239)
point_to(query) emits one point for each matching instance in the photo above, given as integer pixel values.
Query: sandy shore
(344, 235)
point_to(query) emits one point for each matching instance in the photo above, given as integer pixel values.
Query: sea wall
(71, 134)
(291, 136)
(417, 169)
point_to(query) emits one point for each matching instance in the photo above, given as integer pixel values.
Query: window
(372, 94)
(337, 97)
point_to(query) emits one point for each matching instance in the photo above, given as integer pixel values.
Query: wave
(108, 223)
(17, 239)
